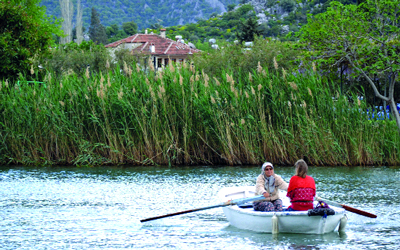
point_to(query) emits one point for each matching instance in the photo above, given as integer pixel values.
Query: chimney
(162, 33)
(152, 48)
(145, 31)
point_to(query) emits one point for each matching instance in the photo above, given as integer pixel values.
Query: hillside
(145, 12)
(199, 20)
(275, 19)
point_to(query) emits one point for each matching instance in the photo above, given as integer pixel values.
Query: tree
(213, 15)
(25, 32)
(155, 26)
(112, 30)
(231, 7)
(76, 57)
(97, 32)
(67, 9)
(79, 35)
(365, 36)
(248, 30)
(288, 5)
(75, 34)
(130, 28)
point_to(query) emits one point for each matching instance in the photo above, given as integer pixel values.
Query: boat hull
(288, 222)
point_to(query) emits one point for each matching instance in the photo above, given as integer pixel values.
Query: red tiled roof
(163, 46)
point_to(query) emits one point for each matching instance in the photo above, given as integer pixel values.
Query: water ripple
(100, 208)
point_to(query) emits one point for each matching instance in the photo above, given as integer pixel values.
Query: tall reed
(182, 116)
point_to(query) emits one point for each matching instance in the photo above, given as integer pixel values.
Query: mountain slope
(145, 13)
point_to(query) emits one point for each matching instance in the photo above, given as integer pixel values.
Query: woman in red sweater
(301, 190)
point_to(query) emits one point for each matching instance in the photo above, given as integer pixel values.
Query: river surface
(101, 208)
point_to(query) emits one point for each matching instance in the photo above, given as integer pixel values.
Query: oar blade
(358, 211)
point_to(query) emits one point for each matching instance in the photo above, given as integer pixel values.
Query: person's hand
(266, 194)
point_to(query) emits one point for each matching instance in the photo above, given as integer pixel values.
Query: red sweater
(301, 192)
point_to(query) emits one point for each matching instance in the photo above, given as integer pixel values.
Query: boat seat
(246, 205)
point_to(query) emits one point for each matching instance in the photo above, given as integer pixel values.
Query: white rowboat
(274, 222)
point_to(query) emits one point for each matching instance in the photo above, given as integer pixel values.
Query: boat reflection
(288, 240)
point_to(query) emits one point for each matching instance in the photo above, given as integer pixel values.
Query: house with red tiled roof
(161, 49)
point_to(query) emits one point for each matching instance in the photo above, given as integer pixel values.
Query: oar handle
(245, 200)
(183, 212)
(228, 203)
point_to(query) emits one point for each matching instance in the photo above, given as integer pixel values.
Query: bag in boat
(321, 204)
(322, 209)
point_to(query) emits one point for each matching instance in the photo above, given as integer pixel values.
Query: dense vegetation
(187, 116)
(230, 106)
(229, 25)
(222, 27)
(24, 32)
(362, 38)
(199, 22)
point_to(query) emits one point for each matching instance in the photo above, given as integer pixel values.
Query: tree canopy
(364, 36)
(248, 30)
(25, 31)
(97, 32)
(130, 28)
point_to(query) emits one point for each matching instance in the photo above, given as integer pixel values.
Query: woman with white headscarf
(268, 184)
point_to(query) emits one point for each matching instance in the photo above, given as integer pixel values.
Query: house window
(166, 61)
(159, 62)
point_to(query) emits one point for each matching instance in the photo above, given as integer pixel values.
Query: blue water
(100, 208)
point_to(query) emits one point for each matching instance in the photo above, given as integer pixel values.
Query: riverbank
(182, 117)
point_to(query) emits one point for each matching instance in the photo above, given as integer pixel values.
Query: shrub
(77, 58)
(25, 32)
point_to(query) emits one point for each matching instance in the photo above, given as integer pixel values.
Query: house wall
(162, 61)
(129, 46)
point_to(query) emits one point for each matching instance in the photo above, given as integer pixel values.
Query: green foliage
(287, 5)
(239, 61)
(232, 22)
(297, 11)
(364, 37)
(114, 33)
(126, 57)
(368, 43)
(97, 32)
(248, 30)
(25, 32)
(130, 28)
(220, 27)
(231, 7)
(73, 58)
(155, 15)
(112, 30)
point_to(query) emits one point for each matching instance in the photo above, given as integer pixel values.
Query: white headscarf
(269, 181)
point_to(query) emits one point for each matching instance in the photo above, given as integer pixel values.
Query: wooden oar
(228, 203)
(350, 209)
